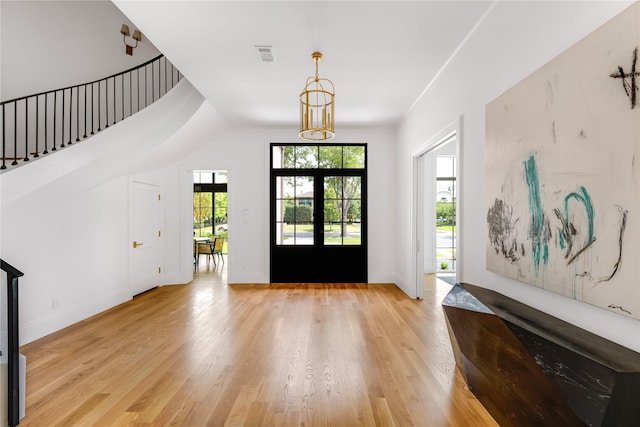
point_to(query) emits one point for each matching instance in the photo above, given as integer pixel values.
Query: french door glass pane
(342, 210)
(294, 210)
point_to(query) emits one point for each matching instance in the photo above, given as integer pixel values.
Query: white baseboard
(248, 277)
(382, 277)
(59, 319)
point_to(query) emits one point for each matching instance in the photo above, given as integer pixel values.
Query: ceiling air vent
(265, 53)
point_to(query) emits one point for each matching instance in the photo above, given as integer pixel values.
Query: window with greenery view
(210, 203)
(446, 212)
(324, 180)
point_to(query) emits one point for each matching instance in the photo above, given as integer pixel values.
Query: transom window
(318, 157)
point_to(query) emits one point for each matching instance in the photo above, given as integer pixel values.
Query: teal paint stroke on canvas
(539, 230)
(583, 197)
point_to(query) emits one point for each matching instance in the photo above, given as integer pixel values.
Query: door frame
(419, 205)
(304, 257)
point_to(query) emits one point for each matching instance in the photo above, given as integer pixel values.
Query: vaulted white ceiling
(380, 55)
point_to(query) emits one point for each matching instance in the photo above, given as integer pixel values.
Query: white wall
(65, 216)
(245, 155)
(48, 45)
(514, 40)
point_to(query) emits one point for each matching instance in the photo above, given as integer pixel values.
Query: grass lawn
(351, 228)
(446, 253)
(289, 228)
(336, 240)
(346, 241)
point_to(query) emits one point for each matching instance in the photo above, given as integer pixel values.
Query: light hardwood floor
(256, 355)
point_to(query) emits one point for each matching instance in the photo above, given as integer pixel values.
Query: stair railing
(38, 124)
(13, 368)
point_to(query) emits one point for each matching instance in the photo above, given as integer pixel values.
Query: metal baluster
(153, 76)
(70, 115)
(138, 88)
(92, 102)
(114, 100)
(55, 107)
(63, 102)
(122, 87)
(146, 88)
(4, 131)
(77, 114)
(165, 75)
(37, 127)
(15, 133)
(85, 112)
(46, 114)
(106, 103)
(130, 95)
(99, 106)
(26, 129)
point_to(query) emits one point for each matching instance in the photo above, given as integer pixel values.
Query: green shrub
(300, 214)
(445, 212)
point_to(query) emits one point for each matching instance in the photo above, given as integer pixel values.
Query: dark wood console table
(531, 369)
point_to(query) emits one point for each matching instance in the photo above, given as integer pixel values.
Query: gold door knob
(136, 244)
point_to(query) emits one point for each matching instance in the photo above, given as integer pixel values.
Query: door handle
(136, 244)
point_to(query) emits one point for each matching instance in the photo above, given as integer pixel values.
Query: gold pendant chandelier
(317, 107)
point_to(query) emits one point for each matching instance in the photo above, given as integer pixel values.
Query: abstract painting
(563, 172)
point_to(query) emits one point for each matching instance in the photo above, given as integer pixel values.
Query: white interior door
(425, 257)
(145, 237)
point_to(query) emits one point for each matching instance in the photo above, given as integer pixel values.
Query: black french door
(318, 213)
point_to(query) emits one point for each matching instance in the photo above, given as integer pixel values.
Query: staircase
(37, 125)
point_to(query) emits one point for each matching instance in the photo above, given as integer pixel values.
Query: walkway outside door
(145, 254)
(318, 213)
